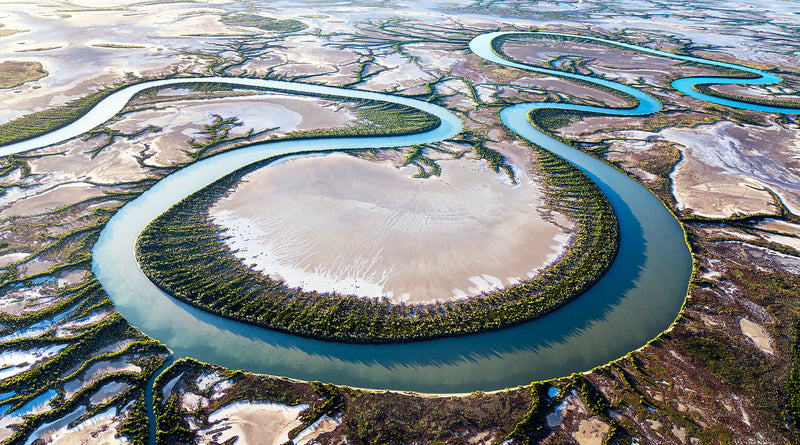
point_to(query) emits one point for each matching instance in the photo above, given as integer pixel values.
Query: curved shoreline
(116, 101)
(416, 357)
(629, 305)
(213, 279)
(483, 47)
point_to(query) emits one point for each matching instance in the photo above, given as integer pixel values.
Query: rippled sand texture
(342, 224)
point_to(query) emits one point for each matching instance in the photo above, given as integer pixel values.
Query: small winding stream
(637, 298)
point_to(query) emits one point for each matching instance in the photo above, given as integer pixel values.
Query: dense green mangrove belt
(185, 255)
(41, 122)
(709, 91)
(377, 118)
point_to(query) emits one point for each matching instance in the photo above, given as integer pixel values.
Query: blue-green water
(636, 299)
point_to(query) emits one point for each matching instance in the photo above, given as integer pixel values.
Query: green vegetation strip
(185, 255)
(379, 118)
(45, 121)
(792, 410)
(708, 90)
(367, 417)
(376, 118)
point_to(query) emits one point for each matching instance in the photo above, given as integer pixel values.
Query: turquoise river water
(636, 299)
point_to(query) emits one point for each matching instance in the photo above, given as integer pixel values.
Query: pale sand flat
(342, 224)
(758, 335)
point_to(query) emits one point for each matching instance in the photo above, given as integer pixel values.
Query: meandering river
(637, 298)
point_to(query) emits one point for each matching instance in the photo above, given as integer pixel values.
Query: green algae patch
(264, 23)
(14, 74)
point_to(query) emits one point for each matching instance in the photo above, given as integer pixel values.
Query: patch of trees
(792, 409)
(372, 418)
(707, 89)
(264, 23)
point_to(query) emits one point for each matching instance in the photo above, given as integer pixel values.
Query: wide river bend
(637, 298)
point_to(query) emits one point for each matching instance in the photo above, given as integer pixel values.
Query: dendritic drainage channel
(643, 290)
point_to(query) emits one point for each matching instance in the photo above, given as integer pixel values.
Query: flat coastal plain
(439, 223)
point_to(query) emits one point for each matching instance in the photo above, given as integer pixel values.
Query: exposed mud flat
(252, 423)
(100, 428)
(51, 199)
(253, 394)
(182, 119)
(26, 300)
(345, 225)
(591, 431)
(727, 168)
(621, 65)
(783, 227)
(98, 370)
(758, 335)
(227, 409)
(324, 425)
(572, 418)
(11, 419)
(103, 47)
(17, 361)
(74, 171)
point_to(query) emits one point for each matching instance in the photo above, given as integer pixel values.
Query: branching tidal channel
(635, 299)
